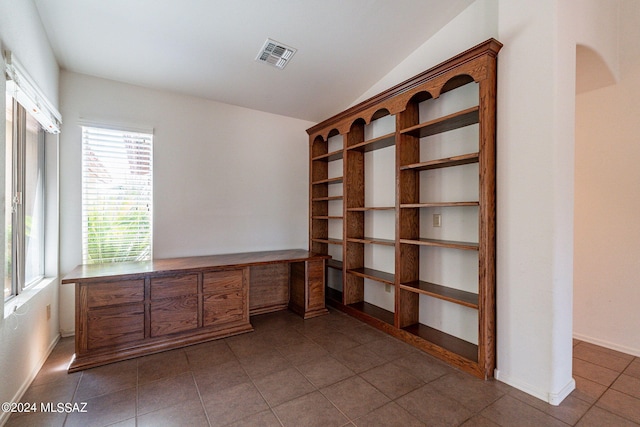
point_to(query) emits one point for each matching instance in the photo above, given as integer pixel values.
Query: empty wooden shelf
(443, 145)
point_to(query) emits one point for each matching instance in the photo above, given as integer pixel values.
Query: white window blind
(116, 195)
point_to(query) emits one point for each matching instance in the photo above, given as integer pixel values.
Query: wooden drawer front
(113, 326)
(174, 315)
(112, 293)
(174, 286)
(224, 308)
(315, 280)
(222, 281)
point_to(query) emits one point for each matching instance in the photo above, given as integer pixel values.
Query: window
(116, 195)
(24, 199)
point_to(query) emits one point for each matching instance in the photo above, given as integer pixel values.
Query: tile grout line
(349, 420)
(258, 389)
(618, 391)
(206, 414)
(73, 397)
(137, 391)
(595, 403)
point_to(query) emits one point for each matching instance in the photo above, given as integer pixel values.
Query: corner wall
(26, 336)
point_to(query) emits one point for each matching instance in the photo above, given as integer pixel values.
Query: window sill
(14, 304)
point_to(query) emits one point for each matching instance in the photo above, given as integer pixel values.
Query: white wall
(607, 203)
(226, 179)
(26, 337)
(535, 200)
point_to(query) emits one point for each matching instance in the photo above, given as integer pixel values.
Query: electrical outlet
(387, 288)
(48, 311)
(437, 220)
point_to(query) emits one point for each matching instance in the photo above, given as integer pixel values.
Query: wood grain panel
(173, 286)
(224, 308)
(114, 326)
(315, 285)
(112, 293)
(102, 272)
(174, 315)
(222, 281)
(268, 287)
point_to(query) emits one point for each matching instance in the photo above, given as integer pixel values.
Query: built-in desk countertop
(129, 309)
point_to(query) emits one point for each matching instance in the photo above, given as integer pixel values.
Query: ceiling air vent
(275, 53)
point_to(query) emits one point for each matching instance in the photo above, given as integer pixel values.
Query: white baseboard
(549, 397)
(613, 346)
(66, 334)
(557, 398)
(4, 416)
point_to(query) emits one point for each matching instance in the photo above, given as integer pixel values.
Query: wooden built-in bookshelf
(415, 248)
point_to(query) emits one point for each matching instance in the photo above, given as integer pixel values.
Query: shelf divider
(463, 159)
(457, 296)
(335, 264)
(375, 144)
(377, 275)
(372, 241)
(456, 120)
(326, 199)
(335, 180)
(329, 157)
(372, 208)
(437, 205)
(374, 311)
(330, 241)
(442, 243)
(448, 342)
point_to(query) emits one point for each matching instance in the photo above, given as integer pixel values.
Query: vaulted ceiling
(207, 48)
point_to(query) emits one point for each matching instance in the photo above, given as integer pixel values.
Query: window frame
(133, 139)
(16, 197)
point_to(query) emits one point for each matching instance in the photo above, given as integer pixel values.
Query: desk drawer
(222, 281)
(114, 293)
(174, 315)
(173, 286)
(115, 326)
(225, 308)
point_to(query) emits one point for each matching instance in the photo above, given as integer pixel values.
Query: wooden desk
(125, 310)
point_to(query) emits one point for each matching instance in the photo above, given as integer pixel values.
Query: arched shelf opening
(456, 82)
(333, 132)
(418, 98)
(383, 112)
(356, 124)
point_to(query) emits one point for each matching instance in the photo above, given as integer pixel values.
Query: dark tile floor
(328, 371)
